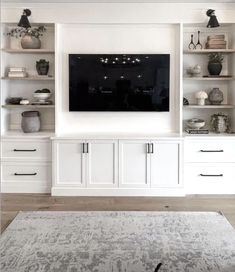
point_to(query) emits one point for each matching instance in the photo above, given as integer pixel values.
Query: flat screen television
(118, 82)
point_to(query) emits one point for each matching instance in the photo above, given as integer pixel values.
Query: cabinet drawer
(210, 151)
(31, 150)
(216, 178)
(12, 172)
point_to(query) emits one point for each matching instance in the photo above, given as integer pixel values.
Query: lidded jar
(30, 121)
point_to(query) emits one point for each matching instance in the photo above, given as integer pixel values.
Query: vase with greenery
(215, 63)
(30, 37)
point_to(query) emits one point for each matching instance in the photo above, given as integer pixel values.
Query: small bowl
(41, 96)
(196, 123)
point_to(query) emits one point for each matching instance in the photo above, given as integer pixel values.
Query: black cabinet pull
(219, 175)
(147, 148)
(25, 174)
(83, 151)
(212, 150)
(24, 150)
(152, 148)
(87, 148)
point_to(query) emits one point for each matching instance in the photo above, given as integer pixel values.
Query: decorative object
(42, 67)
(197, 131)
(191, 44)
(24, 102)
(24, 22)
(14, 100)
(213, 22)
(220, 123)
(195, 123)
(201, 97)
(194, 71)
(215, 63)
(215, 96)
(30, 121)
(185, 101)
(216, 42)
(42, 95)
(118, 241)
(30, 37)
(17, 72)
(198, 44)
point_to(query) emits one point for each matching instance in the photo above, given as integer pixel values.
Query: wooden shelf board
(29, 78)
(21, 134)
(221, 106)
(209, 78)
(28, 106)
(29, 51)
(207, 51)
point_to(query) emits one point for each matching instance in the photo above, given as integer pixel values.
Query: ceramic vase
(42, 67)
(215, 96)
(30, 42)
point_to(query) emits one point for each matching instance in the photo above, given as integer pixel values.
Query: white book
(17, 74)
(16, 69)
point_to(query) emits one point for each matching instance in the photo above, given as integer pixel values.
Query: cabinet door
(70, 164)
(134, 164)
(164, 164)
(102, 163)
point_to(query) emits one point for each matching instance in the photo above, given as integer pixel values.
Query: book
(215, 42)
(197, 131)
(16, 69)
(17, 74)
(215, 46)
(216, 37)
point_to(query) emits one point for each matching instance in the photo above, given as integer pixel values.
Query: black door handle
(219, 175)
(24, 150)
(25, 174)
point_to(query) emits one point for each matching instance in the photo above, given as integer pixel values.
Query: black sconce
(213, 22)
(24, 22)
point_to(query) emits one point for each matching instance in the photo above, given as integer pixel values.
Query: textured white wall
(115, 39)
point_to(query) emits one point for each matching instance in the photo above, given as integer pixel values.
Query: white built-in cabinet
(86, 163)
(115, 164)
(147, 163)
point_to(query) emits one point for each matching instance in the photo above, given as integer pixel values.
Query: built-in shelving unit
(14, 56)
(225, 82)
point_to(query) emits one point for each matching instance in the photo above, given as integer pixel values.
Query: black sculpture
(24, 22)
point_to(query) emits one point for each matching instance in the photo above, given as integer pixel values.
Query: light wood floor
(13, 203)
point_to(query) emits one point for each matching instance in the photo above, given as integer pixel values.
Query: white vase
(30, 42)
(201, 101)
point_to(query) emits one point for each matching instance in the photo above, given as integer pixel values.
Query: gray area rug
(118, 242)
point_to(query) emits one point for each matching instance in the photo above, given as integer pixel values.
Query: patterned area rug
(118, 242)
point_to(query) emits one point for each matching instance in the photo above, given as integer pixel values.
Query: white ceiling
(119, 1)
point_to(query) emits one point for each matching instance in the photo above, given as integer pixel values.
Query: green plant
(22, 31)
(216, 58)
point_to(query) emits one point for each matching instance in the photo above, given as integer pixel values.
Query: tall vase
(30, 42)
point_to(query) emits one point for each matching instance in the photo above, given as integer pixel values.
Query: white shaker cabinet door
(102, 163)
(134, 164)
(164, 164)
(70, 164)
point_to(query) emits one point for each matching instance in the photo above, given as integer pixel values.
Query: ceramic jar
(30, 42)
(42, 67)
(30, 121)
(220, 123)
(215, 96)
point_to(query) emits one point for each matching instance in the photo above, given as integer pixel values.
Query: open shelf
(208, 51)
(28, 51)
(28, 106)
(210, 106)
(43, 78)
(20, 133)
(209, 78)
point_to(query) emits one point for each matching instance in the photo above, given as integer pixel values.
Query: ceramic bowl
(195, 123)
(41, 96)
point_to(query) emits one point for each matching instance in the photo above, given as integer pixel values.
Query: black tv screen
(117, 82)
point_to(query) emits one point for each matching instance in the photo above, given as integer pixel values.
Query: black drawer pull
(220, 151)
(24, 150)
(25, 174)
(219, 175)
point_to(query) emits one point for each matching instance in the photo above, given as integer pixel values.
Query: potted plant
(30, 37)
(220, 122)
(215, 63)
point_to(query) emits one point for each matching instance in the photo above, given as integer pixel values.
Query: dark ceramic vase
(42, 67)
(214, 69)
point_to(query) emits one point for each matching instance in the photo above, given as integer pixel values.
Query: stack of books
(216, 42)
(17, 72)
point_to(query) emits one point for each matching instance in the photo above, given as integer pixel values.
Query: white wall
(74, 38)
(117, 28)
